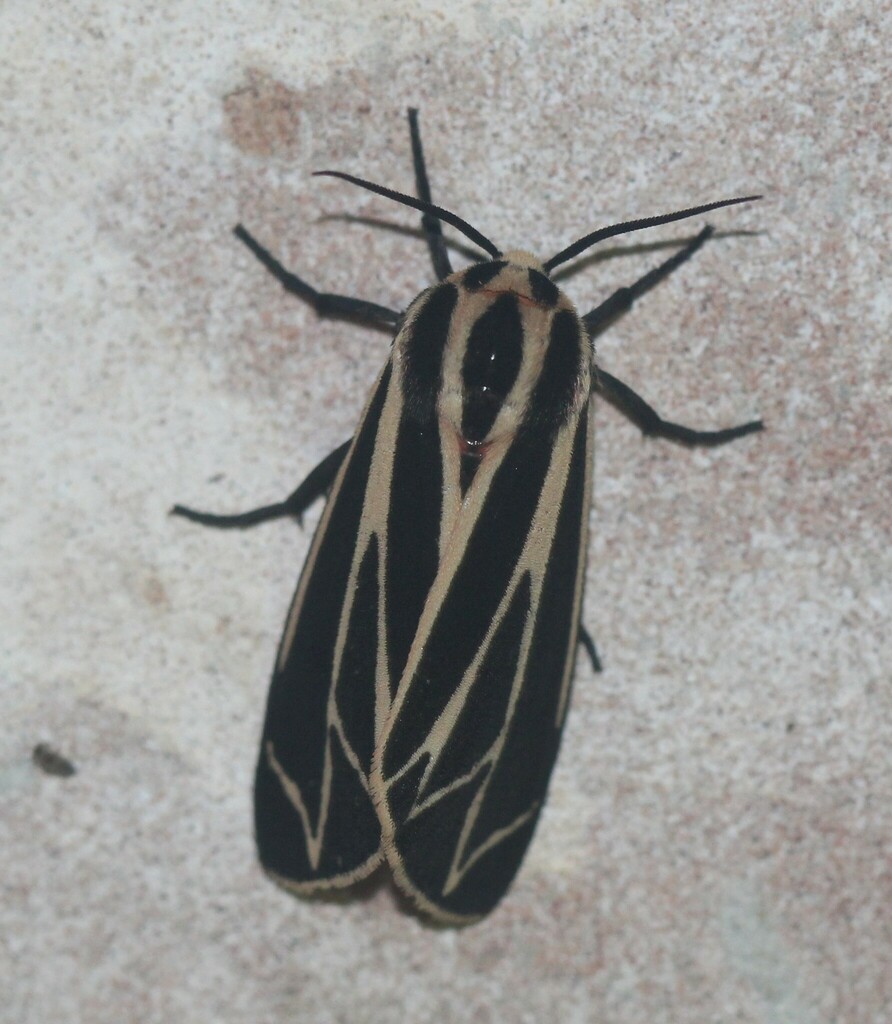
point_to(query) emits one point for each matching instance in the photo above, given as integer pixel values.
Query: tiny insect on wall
(50, 761)
(423, 676)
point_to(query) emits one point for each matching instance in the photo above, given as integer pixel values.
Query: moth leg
(325, 303)
(588, 642)
(317, 483)
(620, 395)
(621, 301)
(646, 418)
(433, 229)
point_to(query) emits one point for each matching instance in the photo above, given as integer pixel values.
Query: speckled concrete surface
(717, 842)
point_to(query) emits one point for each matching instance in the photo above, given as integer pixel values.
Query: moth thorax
(494, 348)
(502, 342)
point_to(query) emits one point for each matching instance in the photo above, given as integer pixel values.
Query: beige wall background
(717, 842)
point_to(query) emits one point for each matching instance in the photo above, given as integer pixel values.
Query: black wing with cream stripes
(332, 687)
(314, 819)
(473, 735)
(351, 623)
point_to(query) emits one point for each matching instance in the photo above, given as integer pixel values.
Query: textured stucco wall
(717, 842)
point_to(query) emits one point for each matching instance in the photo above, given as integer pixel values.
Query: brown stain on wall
(263, 116)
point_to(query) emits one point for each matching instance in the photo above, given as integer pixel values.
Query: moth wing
(348, 633)
(474, 729)
(315, 823)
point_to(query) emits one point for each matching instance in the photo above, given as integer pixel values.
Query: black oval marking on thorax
(491, 364)
(545, 291)
(423, 360)
(482, 273)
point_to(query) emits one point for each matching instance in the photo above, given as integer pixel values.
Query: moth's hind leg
(317, 483)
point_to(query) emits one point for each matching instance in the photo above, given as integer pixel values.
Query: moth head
(498, 348)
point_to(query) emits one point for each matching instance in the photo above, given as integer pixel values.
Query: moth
(423, 677)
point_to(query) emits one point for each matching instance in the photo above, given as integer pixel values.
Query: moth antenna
(581, 244)
(419, 204)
